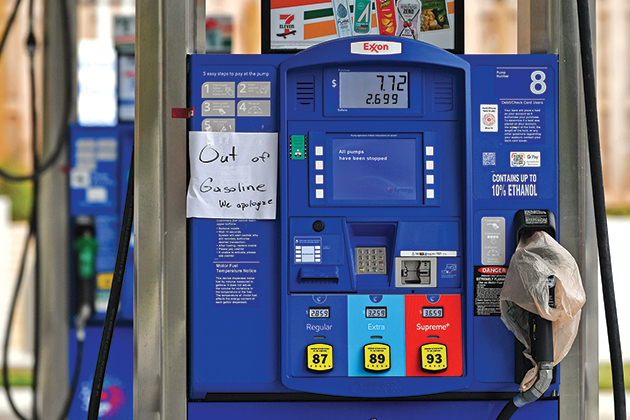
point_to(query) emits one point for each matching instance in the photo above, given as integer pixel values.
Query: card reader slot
(416, 271)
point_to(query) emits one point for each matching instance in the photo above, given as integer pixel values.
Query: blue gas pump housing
(372, 181)
(400, 170)
(99, 159)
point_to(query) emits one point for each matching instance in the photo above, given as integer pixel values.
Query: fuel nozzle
(541, 336)
(526, 224)
(85, 248)
(543, 283)
(541, 330)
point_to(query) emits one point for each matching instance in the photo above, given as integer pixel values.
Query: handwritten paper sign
(232, 175)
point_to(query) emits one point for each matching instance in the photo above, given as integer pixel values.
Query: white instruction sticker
(232, 175)
(489, 118)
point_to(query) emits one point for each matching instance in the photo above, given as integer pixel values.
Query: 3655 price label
(433, 357)
(319, 357)
(376, 357)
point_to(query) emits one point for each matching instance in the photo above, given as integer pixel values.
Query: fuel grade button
(319, 357)
(433, 357)
(376, 357)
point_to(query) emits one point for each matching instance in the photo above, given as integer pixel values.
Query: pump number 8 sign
(376, 357)
(433, 357)
(319, 358)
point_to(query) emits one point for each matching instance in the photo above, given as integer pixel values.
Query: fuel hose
(114, 299)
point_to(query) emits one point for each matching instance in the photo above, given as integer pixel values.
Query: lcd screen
(379, 89)
(323, 312)
(433, 312)
(374, 169)
(376, 312)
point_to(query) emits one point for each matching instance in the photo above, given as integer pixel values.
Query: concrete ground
(606, 407)
(23, 400)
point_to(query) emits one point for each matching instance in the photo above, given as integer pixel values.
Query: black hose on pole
(597, 181)
(114, 300)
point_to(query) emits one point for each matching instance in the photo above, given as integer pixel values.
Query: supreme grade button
(433, 357)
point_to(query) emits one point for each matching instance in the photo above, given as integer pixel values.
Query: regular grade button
(376, 357)
(433, 357)
(319, 357)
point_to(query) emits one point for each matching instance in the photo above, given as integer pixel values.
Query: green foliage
(605, 376)
(20, 193)
(18, 377)
(618, 211)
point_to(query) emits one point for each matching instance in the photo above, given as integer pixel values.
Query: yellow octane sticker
(319, 358)
(376, 357)
(433, 357)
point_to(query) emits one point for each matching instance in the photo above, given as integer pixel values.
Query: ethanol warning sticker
(488, 285)
(514, 185)
(517, 177)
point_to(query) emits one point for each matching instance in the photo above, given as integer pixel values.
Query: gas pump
(99, 163)
(373, 290)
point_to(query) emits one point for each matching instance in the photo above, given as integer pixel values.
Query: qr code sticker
(489, 158)
(518, 159)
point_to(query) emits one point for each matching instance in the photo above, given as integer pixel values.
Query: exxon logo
(376, 47)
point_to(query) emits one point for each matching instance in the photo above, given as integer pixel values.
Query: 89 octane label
(376, 357)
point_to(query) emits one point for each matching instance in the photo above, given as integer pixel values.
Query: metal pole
(166, 30)
(53, 225)
(548, 26)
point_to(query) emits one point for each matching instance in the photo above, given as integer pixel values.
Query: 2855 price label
(319, 358)
(433, 357)
(376, 357)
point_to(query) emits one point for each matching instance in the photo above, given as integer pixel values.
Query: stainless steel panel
(53, 225)
(166, 30)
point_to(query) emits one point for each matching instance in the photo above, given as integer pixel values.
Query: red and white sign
(492, 270)
(489, 118)
(376, 48)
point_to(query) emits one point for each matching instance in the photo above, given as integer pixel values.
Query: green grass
(605, 376)
(20, 193)
(618, 211)
(18, 377)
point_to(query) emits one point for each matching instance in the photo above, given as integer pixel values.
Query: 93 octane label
(376, 357)
(319, 358)
(433, 357)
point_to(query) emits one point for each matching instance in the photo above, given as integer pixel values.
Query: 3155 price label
(319, 358)
(433, 357)
(376, 357)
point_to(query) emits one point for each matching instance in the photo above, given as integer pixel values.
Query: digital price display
(380, 89)
(433, 312)
(376, 312)
(320, 312)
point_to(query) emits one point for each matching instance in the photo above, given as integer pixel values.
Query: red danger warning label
(488, 284)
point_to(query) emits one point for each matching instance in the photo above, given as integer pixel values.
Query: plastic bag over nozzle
(542, 279)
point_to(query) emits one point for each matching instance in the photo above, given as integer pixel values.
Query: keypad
(371, 260)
